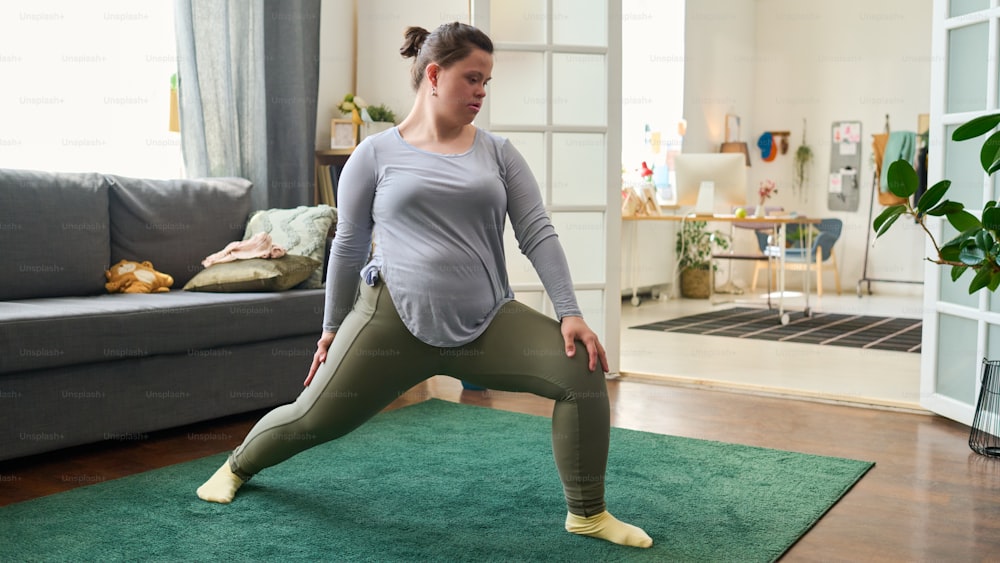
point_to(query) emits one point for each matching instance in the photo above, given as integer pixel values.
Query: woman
(435, 192)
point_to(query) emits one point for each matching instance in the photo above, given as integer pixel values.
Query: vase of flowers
(764, 192)
(369, 119)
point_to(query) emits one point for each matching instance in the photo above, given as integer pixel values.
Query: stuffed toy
(129, 276)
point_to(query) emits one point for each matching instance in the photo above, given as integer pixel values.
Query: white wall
(777, 62)
(850, 60)
(718, 71)
(336, 63)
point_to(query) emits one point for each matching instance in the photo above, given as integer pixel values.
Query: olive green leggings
(374, 359)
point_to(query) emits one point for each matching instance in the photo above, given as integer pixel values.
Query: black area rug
(852, 331)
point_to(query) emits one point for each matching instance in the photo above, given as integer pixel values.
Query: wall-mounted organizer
(843, 186)
(771, 144)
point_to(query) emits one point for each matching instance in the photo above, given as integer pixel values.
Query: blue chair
(796, 257)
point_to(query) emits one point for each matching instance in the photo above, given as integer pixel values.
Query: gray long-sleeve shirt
(438, 223)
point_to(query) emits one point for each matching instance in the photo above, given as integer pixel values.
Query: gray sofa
(79, 365)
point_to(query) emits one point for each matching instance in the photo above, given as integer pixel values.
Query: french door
(555, 93)
(959, 329)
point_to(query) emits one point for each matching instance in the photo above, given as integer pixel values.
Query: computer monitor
(710, 182)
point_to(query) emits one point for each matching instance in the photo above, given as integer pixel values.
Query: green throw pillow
(301, 231)
(255, 274)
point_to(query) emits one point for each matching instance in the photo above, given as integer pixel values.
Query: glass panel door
(555, 64)
(957, 325)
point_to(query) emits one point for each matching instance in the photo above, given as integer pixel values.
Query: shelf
(334, 152)
(325, 158)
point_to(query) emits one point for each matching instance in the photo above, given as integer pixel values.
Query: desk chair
(796, 257)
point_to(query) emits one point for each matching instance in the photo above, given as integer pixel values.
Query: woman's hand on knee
(322, 347)
(573, 329)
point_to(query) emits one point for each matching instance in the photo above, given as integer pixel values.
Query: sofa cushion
(302, 231)
(62, 331)
(255, 274)
(53, 234)
(175, 224)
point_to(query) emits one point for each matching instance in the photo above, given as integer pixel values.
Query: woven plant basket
(696, 283)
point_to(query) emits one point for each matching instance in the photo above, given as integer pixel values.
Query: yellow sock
(606, 527)
(221, 486)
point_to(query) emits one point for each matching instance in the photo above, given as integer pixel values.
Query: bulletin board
(844, 184)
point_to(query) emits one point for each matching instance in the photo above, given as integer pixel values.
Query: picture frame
(650, 205)
(632, 203)
(343, 134)
(640, 201)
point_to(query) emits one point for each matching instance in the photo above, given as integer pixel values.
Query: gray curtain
(248, 76)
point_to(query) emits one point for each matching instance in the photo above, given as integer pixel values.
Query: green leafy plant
(352, 104)
(977, 246)
(799, 235)
(803, 157)
(381, 113)
(696, 244)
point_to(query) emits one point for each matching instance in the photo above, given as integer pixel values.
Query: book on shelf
(321, 180)
(334, 180)
(332, 195)
(327, 184)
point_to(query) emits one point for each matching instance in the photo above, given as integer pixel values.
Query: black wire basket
(985, 436)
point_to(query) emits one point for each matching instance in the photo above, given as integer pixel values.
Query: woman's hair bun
(414, 39)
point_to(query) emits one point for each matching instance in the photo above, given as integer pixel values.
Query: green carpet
(440, 481)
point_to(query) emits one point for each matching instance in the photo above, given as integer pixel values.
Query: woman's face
(461, 88)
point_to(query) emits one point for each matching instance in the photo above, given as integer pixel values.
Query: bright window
(652, 81)
(86, 87)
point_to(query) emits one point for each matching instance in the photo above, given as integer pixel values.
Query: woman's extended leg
(372, 361)
(523, 350)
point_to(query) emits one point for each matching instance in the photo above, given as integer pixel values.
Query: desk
(780, 222)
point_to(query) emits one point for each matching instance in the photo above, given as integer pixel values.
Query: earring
(434, 91)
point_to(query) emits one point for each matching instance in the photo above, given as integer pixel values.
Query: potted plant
(803, 157)
(977, 246)
(377, 119)
(382, 114)
(370, 119)
(695, 246)
(765, 191)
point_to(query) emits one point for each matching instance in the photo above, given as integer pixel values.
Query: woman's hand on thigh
(322, 347)
(575, 328)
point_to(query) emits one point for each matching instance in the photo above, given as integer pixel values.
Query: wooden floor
(928, 498)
